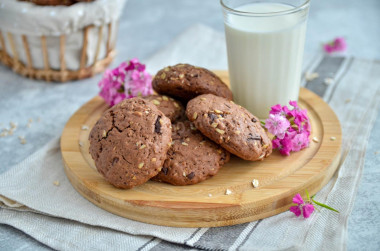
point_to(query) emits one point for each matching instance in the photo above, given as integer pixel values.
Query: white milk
(265, 56)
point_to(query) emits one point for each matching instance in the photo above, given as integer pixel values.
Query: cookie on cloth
(129, 142)
(184, 81)
(230, 125)
(192, 157)
(171, 108)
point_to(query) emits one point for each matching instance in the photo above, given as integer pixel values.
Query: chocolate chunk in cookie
(230, 125)
(168, 106)
(129, 142)
(185, 82)
(192, 157)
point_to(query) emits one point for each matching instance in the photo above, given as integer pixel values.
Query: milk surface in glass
(265, 56)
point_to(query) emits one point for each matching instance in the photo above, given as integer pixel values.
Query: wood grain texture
(191, 206)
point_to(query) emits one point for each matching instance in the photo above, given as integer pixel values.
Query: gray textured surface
(146, 27)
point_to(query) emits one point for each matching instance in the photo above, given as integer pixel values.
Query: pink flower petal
(297, 199)
(296, 210)
(307, 209)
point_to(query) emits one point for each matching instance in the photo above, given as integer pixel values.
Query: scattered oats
(187, 139)
(205, 115)
(147, 112)
(328, 81)
(163, 75)
(228, 192)
(192, 127)
(175, 104)
(166, 69)
(203, 99)
(138, 113)
(265, 146)
(142, 147)
(232, 102)
(156, 102)
(219, 151)
(134, 177)
(161, 121)
(85, 127)
(255, 183)
(181, 75)
(202, 142)
(217, 111)
(165, 98)
(13, 125)
(184, 143)
(80, 143)
(332, 138)
(214, 124)
(141, 165)
(171, 143)
(184, 174)
(56, 183)
(22, 140)
(154, 159)
(261, 156)
(104, 134)
(195, 115)
(4, 133)
(315, 139)
(237, 132)
(219, 131)
(347, 101)
(311, 76)
(209, 195)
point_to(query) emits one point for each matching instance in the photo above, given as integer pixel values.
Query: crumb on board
(209, 195)
(56, 183)
(255, 183)
(328, 81)
(228, 192)
(315, 139)
(332, 138)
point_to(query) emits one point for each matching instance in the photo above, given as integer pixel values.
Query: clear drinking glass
(265, 45)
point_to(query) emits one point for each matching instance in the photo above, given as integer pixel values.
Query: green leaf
(323, 205)
(262, 123)
(307, 195)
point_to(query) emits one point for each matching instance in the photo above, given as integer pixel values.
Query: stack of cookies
(156, 138)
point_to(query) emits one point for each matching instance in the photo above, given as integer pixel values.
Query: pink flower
(127, 80)
(338, 45)
(305, 208)
(291, 128)
(277, 125)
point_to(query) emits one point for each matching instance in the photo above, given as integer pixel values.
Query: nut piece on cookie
(171, 108)
(185, 82)
(126, 139)
(230, 125)
(192, 157)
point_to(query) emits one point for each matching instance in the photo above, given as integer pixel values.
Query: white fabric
(24, 18)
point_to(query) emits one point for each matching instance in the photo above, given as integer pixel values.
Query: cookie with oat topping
(171, 108)
(129, 142)
(184, 81)
(192, 157)
(230, 125)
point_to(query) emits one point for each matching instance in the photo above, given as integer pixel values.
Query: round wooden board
(206, 204)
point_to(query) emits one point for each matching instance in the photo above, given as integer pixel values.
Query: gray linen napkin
(60, 218)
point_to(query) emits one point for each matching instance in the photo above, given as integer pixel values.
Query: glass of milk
(265, 44)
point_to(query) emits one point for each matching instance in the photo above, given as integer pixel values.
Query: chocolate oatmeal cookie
(185, 82)
(129, 142)
(230, 125)
(168, 106)
(192, 157)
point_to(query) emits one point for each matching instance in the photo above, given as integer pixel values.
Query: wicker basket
(90, 50)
